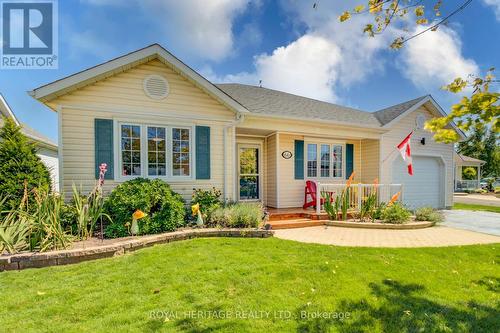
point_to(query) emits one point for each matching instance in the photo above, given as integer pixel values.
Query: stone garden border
(72, 256)
(378, 225)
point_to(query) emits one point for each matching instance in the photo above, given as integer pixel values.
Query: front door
(249, 172)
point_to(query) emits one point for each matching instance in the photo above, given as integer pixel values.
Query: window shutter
(299, 159)
(349, 160)
(202, 152)
(103, 134)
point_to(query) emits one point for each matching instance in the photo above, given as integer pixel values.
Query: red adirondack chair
(310, 190)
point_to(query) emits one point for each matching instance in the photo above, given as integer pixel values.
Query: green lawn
(476, 207)
(453, 289)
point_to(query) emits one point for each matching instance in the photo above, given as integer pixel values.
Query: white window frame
(144, 150)
(318, 159)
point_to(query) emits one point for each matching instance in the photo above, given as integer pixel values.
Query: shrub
(239, 215)
(19, 167)
(428, 214)
(480, 191)
(497, 190)
(209, 201)
(164, 208)
(395, 213)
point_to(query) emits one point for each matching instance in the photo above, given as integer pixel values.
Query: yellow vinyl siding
(291, 190)
(398, 132)
(370, 158)
(271, 176)
(122, 98)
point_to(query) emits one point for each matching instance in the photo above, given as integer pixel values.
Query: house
(46, 148)
(461, 162)
(147, 114)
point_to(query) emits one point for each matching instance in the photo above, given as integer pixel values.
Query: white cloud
(201, 29)
(435, 58)
(496, 7)
(328, 55)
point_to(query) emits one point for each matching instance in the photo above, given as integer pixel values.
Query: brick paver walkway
(429, 237)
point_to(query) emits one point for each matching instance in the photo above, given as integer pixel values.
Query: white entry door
(249, 174)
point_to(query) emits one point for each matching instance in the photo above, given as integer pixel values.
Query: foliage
(369, 204)
(19, 167)
(473, 113)
(87, 211)
(440, 289)
(209, 201)
(390, 12)
(164, 208)
(331, 205)
(469, 173)
(46, 231)
(497, 190)
(482, 144)
(238, 215)
(395, 213)
(14, 232)
(429, 214)
(462, 206)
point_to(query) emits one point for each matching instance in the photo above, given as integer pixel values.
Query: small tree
(19, 165)
(469, 173)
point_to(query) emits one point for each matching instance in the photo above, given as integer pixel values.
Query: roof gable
(393, 114)
(89, 76)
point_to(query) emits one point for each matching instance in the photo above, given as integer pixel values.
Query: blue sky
(286, 44)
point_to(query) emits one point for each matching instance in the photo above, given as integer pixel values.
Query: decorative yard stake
(138, 214)
(196, 211)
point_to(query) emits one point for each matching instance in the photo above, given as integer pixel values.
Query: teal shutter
(299, 159)
(202, 152)
(349, 159)
(104, 146)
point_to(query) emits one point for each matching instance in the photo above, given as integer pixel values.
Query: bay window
(155, 151)
(328, 157)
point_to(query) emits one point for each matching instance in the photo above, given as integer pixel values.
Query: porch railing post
(359, 196)
(318, 198)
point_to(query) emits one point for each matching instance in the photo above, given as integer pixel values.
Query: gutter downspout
(239, 119)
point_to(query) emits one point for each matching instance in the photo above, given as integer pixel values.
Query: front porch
(462, 162)
(274, 166)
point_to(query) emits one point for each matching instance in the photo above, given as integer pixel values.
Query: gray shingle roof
(387, 115)
(277, 103)
(37, 136)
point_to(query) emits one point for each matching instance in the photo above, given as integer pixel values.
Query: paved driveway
(486, 222)
(435, 236)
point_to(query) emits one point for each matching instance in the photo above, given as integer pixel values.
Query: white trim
(60, 147)
(428, 98)
(319, 121)
(140, 113)
(7, 111)
(258, 146)
(53, 90)
(278, 170)
(318, 159)
(117, 123)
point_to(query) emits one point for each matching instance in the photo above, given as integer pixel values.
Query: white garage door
(425, 187)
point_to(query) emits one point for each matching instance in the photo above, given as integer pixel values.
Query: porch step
(286, 216)
(295, 223)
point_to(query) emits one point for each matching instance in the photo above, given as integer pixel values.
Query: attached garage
(426, 186)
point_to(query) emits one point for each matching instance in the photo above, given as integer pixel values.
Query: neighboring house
(147, 114)
(46, 148)
(461, 162)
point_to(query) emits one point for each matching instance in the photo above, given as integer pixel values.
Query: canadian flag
(405, 151)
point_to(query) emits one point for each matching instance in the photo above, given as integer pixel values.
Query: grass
(454, 289)
(463, 206)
